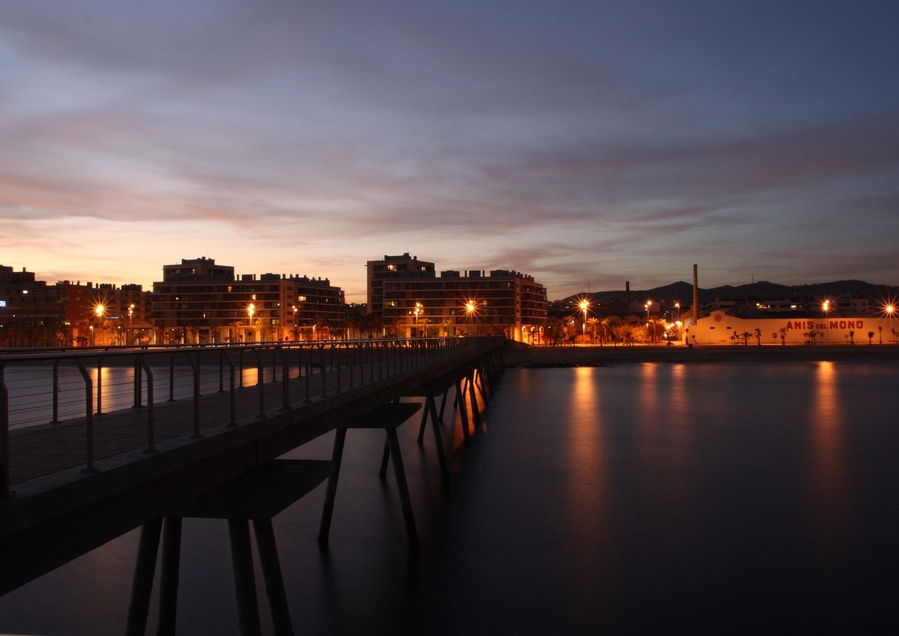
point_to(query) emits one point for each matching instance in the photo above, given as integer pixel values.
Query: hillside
(683, 292)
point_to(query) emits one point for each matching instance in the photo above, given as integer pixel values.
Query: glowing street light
(469, 311)
(584, 304)
(251, 311)
(130, 323)
(417, 311)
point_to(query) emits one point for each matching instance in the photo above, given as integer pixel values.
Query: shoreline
(525, 356)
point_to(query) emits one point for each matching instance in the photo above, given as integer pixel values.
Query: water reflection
(585, 443)
(827, 448)
(629, 499)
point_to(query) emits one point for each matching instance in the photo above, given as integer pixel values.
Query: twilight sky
(586, 143)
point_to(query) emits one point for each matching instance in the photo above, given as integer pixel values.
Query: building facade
(721, 328)
(32, 313)
(199, 301)
(411, 300)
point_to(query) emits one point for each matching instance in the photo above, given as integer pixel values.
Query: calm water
(638, 499)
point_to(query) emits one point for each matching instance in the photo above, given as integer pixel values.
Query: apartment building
(199, 301)
(409, 298)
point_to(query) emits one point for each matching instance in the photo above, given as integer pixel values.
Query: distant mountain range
(683, 292)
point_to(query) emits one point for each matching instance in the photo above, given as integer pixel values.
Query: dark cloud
(590, 141)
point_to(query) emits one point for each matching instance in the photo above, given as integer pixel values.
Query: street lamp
(469, 311)
(251, 310)
(677, 306)
(825, 307)
(583, 305)
(130, 323)
(99, 310)
(651, 334)
(417, 311)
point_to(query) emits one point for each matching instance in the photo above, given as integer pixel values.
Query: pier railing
(63, 410)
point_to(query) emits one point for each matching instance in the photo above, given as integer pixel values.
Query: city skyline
(584, 145)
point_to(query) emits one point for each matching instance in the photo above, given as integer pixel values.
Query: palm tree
(758, 335)
(880, 332)
(376, 326)
(354, 322)
(813, 334)
(606, 325)
(870, 337)
(746, 336)
(852, 337)
(592, 322)
(568, 321)
(783, 335)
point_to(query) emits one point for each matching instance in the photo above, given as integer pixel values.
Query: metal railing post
(321, 360)
(5, 492)
(172, 378)
(221, 372)
(89, 415)
(260, 372)
(349, 358)
(195, 365)
(151, 419)
(275, 365)
(233, 404)
(308, 372)
(138, 389)
(100, 385)
(285, 379)
(337, 348)
(55, 419)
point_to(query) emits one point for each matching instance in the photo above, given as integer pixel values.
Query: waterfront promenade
(594, 355)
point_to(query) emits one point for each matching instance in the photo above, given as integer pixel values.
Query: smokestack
(695, 294)
(627, 294)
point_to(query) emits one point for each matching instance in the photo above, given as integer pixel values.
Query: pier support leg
(271, 573)
(481, 385)
(424, 421)
(438, 438)
(442, 406)
(476, 414)
(463, 410)
(244, 579)
(336, 456)
(385, 459)
(168, 579)
(144, 570)
(402, 486)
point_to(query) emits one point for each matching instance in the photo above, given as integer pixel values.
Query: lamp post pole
(130, 324)
(584, 305)
(251, 310)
